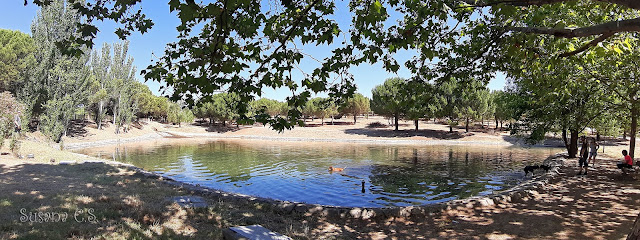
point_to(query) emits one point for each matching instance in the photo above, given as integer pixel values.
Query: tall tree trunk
(415, 122)
(635, 231)
(564, 139)
(496, 123)
(115, 114)
(395, 118)
(482, 122)
(322, 121)
(466, 126)
(66, 128)
(355, 116)
(573, 145)
(97, 117)
(100, 114)
(634, 130)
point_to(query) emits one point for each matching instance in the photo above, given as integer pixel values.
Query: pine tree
(56, 84)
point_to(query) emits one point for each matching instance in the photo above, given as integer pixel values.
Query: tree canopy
(356, 105)
(16, 49)
(55, 88)
(388, 99)
(246, 46)
(56, 85)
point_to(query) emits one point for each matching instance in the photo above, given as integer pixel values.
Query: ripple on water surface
(393, 175)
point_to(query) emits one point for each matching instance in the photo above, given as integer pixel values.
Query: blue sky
(14, 15)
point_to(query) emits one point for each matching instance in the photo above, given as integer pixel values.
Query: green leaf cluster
(16, 54)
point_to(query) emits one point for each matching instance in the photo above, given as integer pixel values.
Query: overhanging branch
(634, 4)
(588, 45)
(629, 25)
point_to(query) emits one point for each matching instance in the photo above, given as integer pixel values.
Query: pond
(393, 175)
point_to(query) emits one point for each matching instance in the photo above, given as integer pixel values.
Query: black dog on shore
(545, 168)
(531, 169)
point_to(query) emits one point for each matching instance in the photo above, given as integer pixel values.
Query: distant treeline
(453, 101)
(223, 107)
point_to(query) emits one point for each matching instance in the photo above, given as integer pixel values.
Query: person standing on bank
(17, 121)
(593, 150)
(583, 161)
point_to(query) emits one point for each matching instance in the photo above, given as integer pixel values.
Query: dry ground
(345, 129)
(342, 129)
(88, 132)
(125, 206)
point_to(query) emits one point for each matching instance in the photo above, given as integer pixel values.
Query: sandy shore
(342, 132)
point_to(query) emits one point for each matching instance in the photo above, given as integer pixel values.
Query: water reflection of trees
(433, 174)
(428, 175)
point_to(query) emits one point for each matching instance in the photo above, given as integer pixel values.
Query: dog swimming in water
(335, 169)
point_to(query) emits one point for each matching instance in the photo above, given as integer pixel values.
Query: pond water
(393, 175)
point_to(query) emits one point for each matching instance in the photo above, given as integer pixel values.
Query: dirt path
(602, 205)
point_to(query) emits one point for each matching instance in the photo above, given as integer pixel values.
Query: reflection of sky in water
(393, 175)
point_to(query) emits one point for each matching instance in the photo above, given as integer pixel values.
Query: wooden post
(635, 231)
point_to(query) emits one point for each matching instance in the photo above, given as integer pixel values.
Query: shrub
(14, 144)
(376, 125)
(9, 107)
(4, 131)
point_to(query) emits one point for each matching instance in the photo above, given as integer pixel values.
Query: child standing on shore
(583, 161)
(593, 150)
